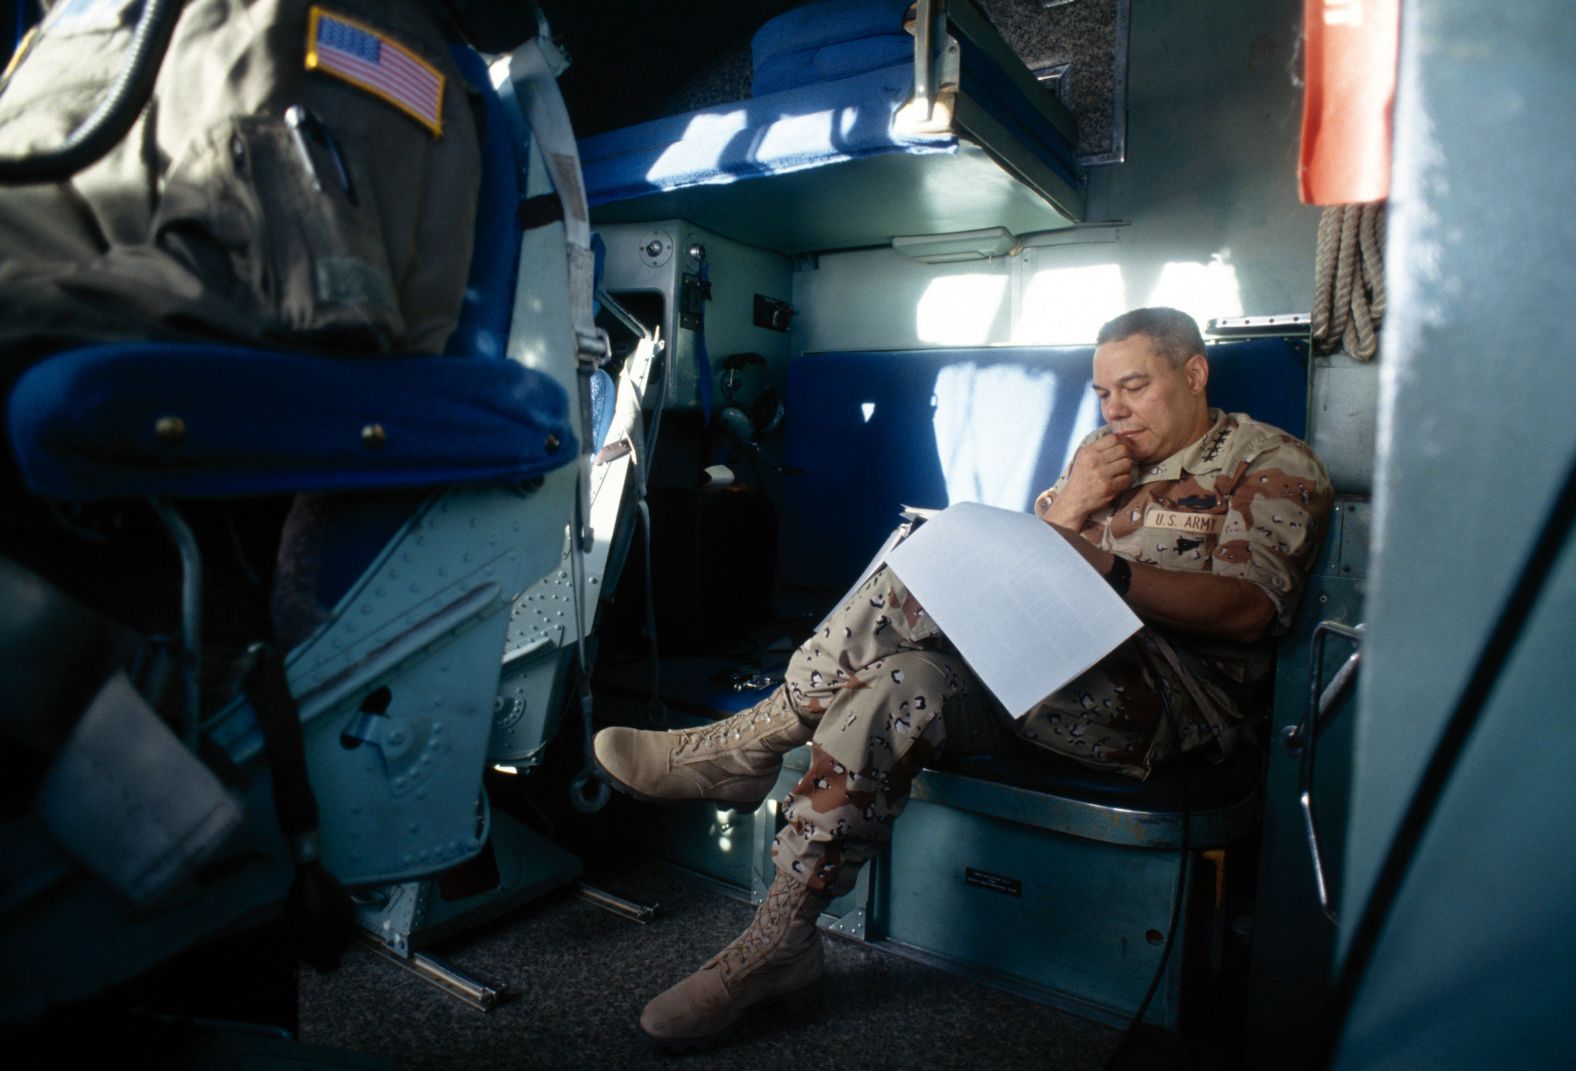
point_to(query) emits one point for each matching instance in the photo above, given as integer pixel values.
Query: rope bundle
(1349, 293)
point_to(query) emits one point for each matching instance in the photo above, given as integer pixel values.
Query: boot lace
(727, 732)
(770, 923)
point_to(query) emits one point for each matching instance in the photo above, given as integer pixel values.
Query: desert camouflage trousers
(888, 693)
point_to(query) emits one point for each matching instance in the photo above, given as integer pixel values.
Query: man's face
(1155, 408)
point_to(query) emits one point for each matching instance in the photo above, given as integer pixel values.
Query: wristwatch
(1120, 575)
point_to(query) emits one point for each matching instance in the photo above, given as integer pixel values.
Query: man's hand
(1100, 471)
(1189, 601)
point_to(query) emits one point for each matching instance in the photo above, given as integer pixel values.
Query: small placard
(984, 879)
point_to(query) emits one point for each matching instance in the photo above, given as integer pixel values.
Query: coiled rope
(1349, 291)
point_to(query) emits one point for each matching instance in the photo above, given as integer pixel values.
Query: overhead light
(959, 245)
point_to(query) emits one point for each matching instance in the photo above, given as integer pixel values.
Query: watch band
(1120, 575)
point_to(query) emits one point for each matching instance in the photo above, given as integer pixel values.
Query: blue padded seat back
(483, 330)
(604, 398)
(84, 424)
(874, 431)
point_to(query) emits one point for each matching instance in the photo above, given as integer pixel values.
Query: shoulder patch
(371, 60)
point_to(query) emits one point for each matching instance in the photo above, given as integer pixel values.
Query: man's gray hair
(1172, 332)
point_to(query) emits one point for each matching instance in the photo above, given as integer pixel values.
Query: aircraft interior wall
(1207, 195)
(1476, 435)
(1203, 215)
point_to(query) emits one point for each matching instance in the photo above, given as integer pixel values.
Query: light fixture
(959, 245)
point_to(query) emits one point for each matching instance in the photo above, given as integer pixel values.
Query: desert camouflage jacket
(1246, 500)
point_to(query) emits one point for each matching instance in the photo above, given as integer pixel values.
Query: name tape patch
(1176, 520)
(375, 62)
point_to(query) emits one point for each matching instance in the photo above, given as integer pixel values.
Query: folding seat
(441, 493)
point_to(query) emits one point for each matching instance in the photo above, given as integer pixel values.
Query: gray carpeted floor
(580, 975)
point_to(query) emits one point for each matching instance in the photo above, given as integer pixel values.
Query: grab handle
(1303, 739)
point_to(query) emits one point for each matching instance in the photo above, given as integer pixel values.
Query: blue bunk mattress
(804, 127)
(846, 173)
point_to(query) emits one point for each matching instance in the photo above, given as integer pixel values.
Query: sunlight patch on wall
(958, 310)
(1066, 306)
(981, 460)
(1203, 291)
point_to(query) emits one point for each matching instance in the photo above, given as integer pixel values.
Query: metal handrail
(1304, 737)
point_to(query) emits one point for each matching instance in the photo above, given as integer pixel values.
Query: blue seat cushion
(84, 424)
(483, 327)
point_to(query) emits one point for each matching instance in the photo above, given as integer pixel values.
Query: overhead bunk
(872, 120)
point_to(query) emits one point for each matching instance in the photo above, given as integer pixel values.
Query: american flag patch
(377, 63)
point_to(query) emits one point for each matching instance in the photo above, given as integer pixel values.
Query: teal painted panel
(1077, 917)
(1476, 390)
(1293, 942)
(1475, 966)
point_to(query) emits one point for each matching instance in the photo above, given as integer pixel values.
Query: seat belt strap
(528, 89)
(536, 109)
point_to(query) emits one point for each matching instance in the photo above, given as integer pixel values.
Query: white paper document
(1024, 609)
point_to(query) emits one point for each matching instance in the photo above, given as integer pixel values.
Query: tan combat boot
(778, 961)
(732, 761)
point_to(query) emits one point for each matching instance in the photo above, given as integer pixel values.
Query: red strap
(1350, 88)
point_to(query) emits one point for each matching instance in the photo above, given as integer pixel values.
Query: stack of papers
(1021, 605)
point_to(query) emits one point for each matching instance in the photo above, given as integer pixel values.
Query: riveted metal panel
(397, 689)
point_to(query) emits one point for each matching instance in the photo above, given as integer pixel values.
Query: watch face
(1119, 575)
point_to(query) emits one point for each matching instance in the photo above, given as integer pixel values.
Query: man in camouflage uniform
(1205, 522)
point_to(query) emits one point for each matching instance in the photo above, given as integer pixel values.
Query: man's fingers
(1110, 445)
(1120, 447)
(1102, 454)
(1100, 471)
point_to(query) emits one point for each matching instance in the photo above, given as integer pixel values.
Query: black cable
(1176, 896)
(107, 124)
(589, 792)
(317, 908)
(1501, 643)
